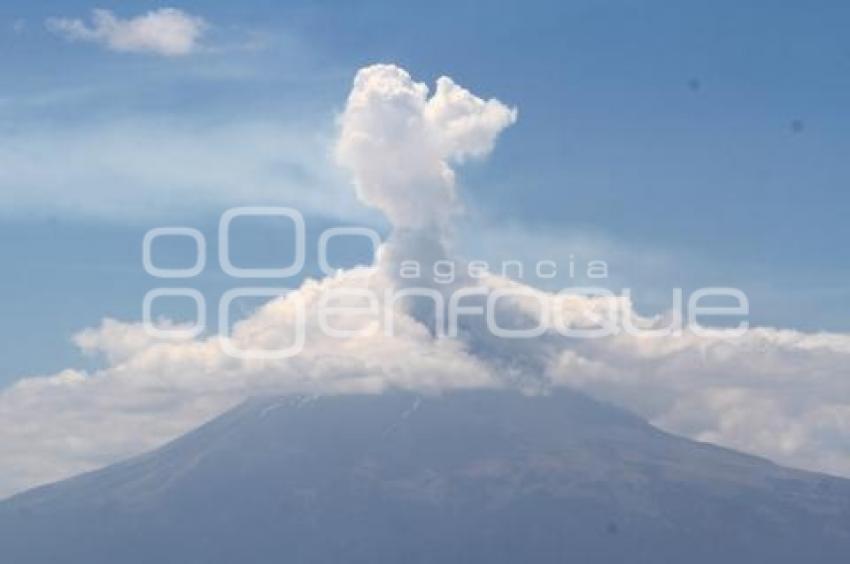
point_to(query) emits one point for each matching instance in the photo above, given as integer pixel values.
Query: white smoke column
(399, 144)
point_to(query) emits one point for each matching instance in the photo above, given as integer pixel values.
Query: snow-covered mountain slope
(466, 477)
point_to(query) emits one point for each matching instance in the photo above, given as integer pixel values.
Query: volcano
(460, 477)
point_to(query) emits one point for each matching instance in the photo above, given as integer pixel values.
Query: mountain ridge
(462, 476)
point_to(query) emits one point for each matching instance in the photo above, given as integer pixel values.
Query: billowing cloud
(778, 393)
(783, 394)
(400, 144)
(167, 31)
(153, 390)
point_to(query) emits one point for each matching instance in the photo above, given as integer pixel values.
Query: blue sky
(687, 143)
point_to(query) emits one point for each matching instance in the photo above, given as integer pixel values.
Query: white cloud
(779, 393)
(166, 31)
(152, 391)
